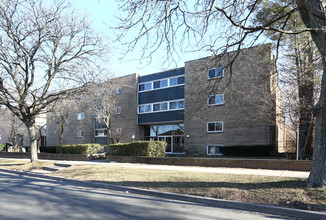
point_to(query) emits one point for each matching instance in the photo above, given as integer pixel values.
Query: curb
(218, 203)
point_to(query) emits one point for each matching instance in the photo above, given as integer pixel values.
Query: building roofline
(221, 54)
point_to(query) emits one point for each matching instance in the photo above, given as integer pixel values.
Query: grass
(22, 165)
(289, 192)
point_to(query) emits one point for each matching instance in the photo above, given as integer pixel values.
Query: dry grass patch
(291, 192)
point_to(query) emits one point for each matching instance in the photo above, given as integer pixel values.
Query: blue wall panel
(160, 117)
(161, 95)
(161, 75)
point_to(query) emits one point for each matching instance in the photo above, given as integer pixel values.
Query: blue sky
(102, 13)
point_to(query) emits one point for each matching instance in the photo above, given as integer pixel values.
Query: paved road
(24, 197)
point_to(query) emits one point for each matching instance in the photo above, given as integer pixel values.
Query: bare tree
(219, 26)
(46, 50)
(101, 99)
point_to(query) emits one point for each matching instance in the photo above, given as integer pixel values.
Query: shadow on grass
(266, 185)
(13, 164)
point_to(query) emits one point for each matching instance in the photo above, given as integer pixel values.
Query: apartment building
(196, 109)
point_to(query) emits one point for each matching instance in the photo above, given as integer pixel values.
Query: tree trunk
(63, 122)
(306, 100)
(313, 16)
(317, 175)
(33, 141)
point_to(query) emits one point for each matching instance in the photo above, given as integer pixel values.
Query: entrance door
(168, 140)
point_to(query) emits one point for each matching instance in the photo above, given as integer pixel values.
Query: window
(100, 133)
(163, 106)
(118, 131)
(160, 84)
(177, 105)
(173, 81)
(80, 116)
(145, 86)
(216, 126)
(118, 111)
(160, 107)
(216, 99)
(145, 108)
(118, 91)
(215, 73)
(80, 133)
(181, 80)
(148, 86)
(214, 149)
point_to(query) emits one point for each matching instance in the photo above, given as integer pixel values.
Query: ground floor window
(172, 134)
(80, 133)
(214, 149)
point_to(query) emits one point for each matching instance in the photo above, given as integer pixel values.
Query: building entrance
(173, 135)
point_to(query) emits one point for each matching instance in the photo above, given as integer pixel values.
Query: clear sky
(102, 13)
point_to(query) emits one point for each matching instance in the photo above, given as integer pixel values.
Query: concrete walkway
(221, 170)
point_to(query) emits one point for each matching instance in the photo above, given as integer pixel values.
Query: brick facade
(246, 109)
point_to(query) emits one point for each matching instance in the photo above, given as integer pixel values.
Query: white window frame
(168, 84)
(214, 145)
(215, 123)
(100, 129)
(81, 134)
(222, 95)
(80, 116)
(118, 110)
(215, 77)
(168, 106)
(118, 131)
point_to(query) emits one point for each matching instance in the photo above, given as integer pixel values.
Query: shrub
(79, 148)
(139, 148)
(2, 147)
(260, 150)
(48, 149)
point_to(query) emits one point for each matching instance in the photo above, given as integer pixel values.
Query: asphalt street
(26, 197)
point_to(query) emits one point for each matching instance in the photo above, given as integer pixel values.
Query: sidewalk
(222, 170)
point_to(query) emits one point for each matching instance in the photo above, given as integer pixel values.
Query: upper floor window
(118, 111)
(177, 105)
(118, 131)
(162, 106)
(215, 73)
(145, 86)
(215, 126)
(163, 83)
(160, 84)
(216, 99)
(145, 108)
(80, 116)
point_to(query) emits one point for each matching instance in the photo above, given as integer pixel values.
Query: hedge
(2, 147)
(259, 150)
(48, 149)
(139, 148)
(79, 148)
